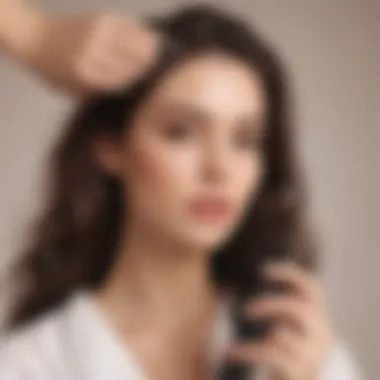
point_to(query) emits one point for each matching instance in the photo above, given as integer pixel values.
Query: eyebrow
(194, 111)
(185, 108)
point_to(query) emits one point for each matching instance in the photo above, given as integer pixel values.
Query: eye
(178, 130)
(248, 139)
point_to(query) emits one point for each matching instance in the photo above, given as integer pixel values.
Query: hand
(301, 338)
(84, 54)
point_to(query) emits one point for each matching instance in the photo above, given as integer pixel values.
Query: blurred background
(332, 48)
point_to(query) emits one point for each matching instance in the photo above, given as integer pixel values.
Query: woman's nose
(217, 162)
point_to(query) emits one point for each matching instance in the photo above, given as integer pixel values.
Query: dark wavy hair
(73, 243)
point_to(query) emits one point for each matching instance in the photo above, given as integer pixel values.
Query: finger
(112, 64)
(132, 55)
(303, 283)
(267, 355)
(103, 76)
(124, 38)
(304, 352)
(298, 313)
(137, 41)
(287, 339)
(108, 70)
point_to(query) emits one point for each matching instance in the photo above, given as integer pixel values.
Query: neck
(160, 281)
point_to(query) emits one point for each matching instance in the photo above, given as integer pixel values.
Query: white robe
(75, 342)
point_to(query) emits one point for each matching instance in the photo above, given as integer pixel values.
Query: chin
(205, 236)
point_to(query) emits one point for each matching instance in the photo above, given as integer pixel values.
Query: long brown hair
(73, 243)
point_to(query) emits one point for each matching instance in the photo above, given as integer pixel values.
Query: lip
(212, 208)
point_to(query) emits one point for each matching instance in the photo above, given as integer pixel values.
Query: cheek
(249, 177)
(149, 171)
(159, 175)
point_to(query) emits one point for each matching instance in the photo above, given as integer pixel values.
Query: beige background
(332, 47)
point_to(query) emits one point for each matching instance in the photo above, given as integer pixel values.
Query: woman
(165, 199)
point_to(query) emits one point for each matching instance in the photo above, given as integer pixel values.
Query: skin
(78, 54)
(159, 294)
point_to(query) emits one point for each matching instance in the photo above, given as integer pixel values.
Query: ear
(107, 150)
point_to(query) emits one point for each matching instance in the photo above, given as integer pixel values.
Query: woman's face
(192, 161)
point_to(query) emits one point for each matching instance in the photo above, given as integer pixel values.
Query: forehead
(219, 84)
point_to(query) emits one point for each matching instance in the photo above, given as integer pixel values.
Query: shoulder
(341, 364)
(36, 349)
